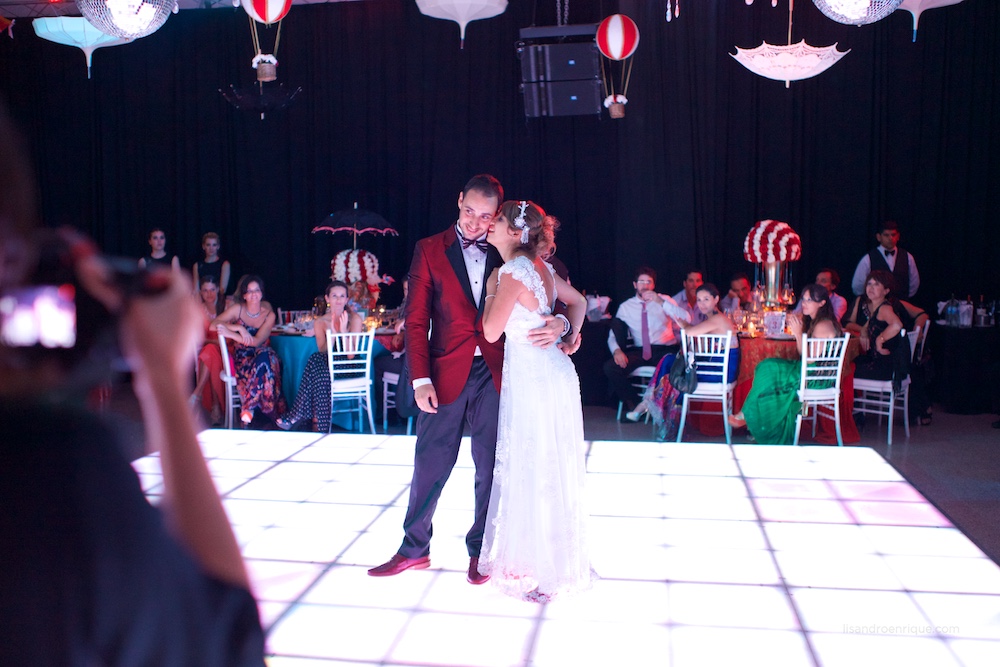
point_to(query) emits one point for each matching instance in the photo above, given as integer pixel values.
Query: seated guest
(830, 279)
(887, 256)
(157, 254)
(661, 399)
(312, 402)
(873, 319)
(647, 316)
(248, 322)
(739, 294)
(772, 405)
(687, 297)
(212, 265)
(209, 389)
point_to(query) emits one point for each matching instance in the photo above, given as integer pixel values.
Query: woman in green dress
(771, 406)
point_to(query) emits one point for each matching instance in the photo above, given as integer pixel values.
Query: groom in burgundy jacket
(455, 371)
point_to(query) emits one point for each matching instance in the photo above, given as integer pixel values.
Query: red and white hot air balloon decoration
(617, 39)
(267, 12)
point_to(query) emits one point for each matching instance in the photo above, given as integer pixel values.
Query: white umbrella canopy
(791, 62)
(915, 7)
(75, 31)
(462, 12)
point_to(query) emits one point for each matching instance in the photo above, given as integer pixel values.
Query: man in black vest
(888, 257)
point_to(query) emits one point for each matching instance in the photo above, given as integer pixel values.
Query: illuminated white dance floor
(708, 555)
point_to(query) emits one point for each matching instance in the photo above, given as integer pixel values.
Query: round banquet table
(755, 350)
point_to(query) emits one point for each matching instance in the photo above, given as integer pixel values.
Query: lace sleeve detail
(522, 270)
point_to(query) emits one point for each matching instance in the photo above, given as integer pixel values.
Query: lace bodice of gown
(522, 319)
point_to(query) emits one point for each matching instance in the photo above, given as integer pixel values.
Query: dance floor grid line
(709, 554)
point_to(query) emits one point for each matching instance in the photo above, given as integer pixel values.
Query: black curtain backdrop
(395, 116)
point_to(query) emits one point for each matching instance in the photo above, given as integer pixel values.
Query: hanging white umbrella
(915, 7)
(790, 62)
(75, 31)
(462, 12)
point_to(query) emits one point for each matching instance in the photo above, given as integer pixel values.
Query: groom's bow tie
(479, 243)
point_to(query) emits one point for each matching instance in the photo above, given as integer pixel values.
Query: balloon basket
(617, 110)
(266, 72)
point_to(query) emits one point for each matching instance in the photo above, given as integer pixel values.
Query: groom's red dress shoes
(399, 563)
(475, 577)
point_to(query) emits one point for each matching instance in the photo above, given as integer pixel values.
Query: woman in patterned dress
(313, 399)
(248, 322)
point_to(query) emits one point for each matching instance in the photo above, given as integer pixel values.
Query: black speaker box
(562, 98)
(559, 62)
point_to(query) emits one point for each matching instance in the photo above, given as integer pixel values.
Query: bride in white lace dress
(535, 547)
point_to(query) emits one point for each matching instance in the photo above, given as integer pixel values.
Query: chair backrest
(711, 353)
(918, 346)
(226, 366)
(914, 339)
(349, 358)
(822, 364)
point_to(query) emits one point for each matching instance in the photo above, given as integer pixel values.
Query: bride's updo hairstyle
(530, 217)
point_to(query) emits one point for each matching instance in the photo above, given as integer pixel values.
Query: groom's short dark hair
(488, 185)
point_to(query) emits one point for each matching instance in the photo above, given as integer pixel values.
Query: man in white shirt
(659, 335)
(687, 298)
(887, 256)
(829, 279)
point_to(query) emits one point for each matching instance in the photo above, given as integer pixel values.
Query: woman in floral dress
(248, 322)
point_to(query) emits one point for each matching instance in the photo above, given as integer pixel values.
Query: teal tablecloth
(294, 353)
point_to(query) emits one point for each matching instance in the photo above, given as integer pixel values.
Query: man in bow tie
(455, 371)
(887, 256)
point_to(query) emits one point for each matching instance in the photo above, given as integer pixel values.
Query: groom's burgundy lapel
(453, 251)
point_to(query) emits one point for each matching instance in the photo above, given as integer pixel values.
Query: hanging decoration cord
(609, 82)
(791, 6)
(256, 37)
(562, 12)
(253, 35)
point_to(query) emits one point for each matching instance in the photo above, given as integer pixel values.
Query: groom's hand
(427, 398)
(547, 335)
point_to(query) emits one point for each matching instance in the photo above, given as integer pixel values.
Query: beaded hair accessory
(520, 223)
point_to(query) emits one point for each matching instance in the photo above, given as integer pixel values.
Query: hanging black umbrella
(356, 221)
(262, 98)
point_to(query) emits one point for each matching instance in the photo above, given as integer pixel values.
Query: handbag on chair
(684, 373)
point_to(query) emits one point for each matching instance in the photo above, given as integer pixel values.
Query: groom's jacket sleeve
(418, 315)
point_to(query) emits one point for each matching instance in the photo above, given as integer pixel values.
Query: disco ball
(855, 12)
(128, 19)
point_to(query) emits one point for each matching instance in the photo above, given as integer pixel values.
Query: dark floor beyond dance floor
(708, 554)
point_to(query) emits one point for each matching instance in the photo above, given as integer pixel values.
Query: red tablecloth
(755, 350)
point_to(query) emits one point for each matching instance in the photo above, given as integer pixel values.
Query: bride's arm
(500, 300)
(576, 309)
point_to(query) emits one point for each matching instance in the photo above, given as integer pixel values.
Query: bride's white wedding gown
(535, 545)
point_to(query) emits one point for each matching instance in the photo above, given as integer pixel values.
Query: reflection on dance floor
(709, 555)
